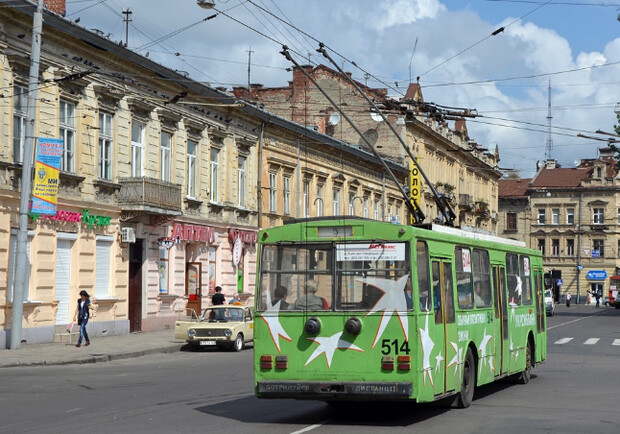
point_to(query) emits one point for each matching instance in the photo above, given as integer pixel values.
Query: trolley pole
(26, 181)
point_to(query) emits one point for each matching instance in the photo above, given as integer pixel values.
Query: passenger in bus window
(408, 297)
(280, 294)
(310, 301)
(478, 296)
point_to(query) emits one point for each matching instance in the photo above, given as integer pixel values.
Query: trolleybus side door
(443, 303)
(501, 324)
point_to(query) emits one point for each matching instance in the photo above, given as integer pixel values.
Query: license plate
(207, 342)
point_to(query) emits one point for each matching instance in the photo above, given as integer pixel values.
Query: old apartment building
(573, 216)
(465, 172)
(162, 179)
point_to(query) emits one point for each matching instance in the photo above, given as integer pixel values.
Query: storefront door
(193, 288)
(135, 286)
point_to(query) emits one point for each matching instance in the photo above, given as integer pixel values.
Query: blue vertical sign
(45, 186)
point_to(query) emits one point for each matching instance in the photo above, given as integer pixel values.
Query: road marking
(591, 341)
(306, 429)
(575, 320)
(75, 409)
(563, 341)
(616, 342)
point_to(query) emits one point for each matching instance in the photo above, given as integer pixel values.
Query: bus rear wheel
(524, 377)
(466, 395)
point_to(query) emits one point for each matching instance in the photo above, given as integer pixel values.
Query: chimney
(298, 76)
(57, 6)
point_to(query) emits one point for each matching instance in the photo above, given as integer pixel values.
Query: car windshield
(548, 293)
(223, 314)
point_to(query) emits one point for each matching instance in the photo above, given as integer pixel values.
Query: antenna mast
(249, 51)
(127, 20)
(549, 146)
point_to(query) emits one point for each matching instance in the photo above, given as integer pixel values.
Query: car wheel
(239, 344)
(466, 394)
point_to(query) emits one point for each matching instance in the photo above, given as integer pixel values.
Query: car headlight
(191, 333)
(228, 332)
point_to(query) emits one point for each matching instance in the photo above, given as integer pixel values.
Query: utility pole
(249, 63)
(21, 256)
(549, 147)
(127, 20)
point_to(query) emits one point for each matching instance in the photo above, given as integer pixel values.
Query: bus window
(513, 279)
(286, 272)
(437, 292)
(423, 276)
(361, 271)
(482, 278)
(526, 279)
(448, 292)
(464, 288)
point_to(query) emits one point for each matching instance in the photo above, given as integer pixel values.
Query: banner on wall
(45, 185)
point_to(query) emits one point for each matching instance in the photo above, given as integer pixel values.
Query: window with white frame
(351, 203)
(163, 271)
(241, 179)
(555, 216)
(390, 212)
(20, 98)
(137, 148)
(600, 246)
(287, 195)
(306, 202)
(273, 192)
(570, 247)
(102, 266)
(570, 216)
(598, 216)
(397, 213)
(319, 200)
(105, 146)
(366, 208)
(541, 245)
(214, 163)
(555, 247)
(165, 155)
(618, 215)
(67, 134)
(192, 169)
(336, 201)
(376, 210)
(542, 217)
(12, 264)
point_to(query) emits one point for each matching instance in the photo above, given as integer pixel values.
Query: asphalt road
(575, 391)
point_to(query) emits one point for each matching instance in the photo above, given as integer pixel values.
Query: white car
(549, 303)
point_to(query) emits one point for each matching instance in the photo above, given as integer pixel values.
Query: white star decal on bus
(516, 352)
(392, 301)
(457, 360)
(483, 350)
(272, 319)
(328, 345)
(427, 348)
(439, 359)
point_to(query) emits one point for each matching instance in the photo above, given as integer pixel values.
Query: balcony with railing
(150, 195)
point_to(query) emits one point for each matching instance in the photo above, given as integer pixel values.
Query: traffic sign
(597, 275)
(559, 282)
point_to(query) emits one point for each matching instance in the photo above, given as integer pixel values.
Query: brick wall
(57, 6)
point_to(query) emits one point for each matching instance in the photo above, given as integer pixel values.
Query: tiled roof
(513, 187)
(561, 177)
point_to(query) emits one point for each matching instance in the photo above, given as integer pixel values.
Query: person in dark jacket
(218, 299)
(82, 314)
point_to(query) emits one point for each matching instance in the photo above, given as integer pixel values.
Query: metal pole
(298, 211)
(579, 252)
(259, 184)
(21, 256)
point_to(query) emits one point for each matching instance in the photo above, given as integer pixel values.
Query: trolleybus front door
(501, 321)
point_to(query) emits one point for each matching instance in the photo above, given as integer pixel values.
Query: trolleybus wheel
(466, 395)
(524, 377)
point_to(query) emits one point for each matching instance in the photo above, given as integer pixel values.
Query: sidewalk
(101, 349)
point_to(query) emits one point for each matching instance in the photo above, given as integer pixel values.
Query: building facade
(164, 183)
(574, 219)
(462, 170)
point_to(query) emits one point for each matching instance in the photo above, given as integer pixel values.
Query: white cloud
(397, 12)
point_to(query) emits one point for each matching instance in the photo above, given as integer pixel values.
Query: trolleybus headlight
(191, 333)
(312, 326)
(353, 326)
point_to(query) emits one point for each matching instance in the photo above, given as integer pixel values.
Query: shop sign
(237, 251)
(76, 217)
(248, 237)
(187, 232)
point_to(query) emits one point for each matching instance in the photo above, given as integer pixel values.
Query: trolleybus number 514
(386, 347)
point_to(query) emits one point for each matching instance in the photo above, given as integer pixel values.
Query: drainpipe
(259, 176)
(298, 179)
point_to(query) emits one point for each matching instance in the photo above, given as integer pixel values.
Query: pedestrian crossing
(589, 341)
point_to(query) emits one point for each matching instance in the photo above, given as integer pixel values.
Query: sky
(448, 44)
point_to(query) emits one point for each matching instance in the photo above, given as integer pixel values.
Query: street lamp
(205, 4)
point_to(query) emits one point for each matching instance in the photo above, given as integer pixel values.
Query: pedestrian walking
(588, 297)
(568, 299)
(82, 314)
(597, 295)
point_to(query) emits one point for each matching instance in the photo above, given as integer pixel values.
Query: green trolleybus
(355, 309)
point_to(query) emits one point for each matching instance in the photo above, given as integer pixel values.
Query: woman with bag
(568, 299)
(82, 313)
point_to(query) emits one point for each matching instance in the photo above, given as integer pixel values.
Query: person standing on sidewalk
(568, 299)
(597, 295)
(82, 313)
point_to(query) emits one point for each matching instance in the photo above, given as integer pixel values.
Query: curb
(96, 358)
